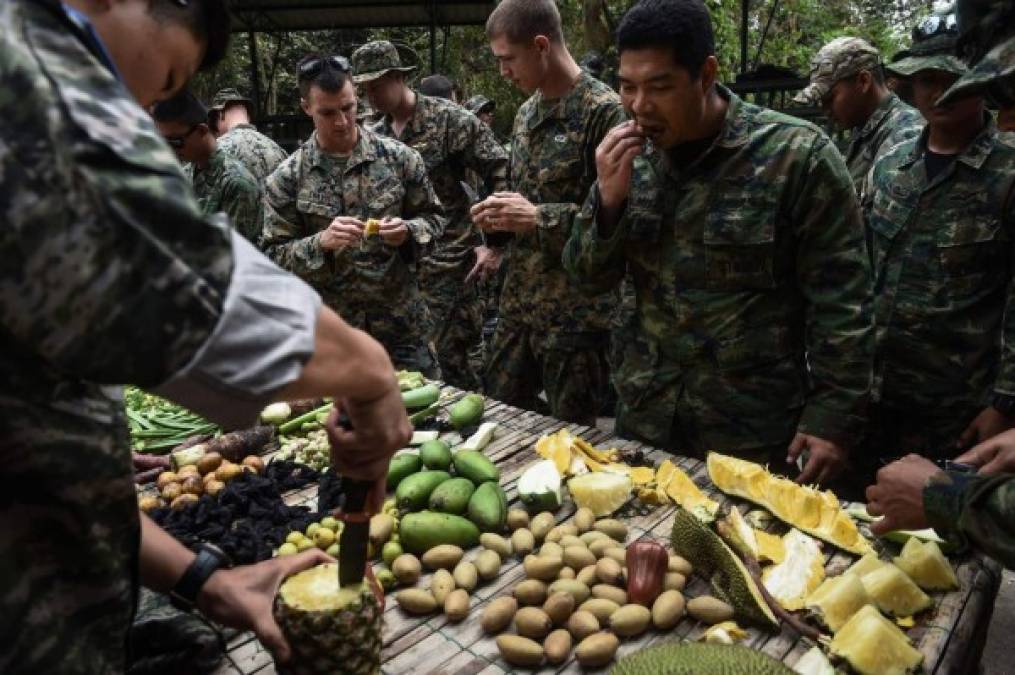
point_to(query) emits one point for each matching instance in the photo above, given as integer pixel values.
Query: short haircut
(682, 26)
(207, 20)
(520, 21)
(329, 78)
(436, 85)
(184, 107)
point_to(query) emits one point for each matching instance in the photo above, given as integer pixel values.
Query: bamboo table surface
(949, 635)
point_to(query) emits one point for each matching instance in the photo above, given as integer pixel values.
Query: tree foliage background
(784, 33)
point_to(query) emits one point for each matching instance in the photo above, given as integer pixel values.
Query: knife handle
(356, 492)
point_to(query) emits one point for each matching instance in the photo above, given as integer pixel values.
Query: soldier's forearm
(162, 559)
(977, 510)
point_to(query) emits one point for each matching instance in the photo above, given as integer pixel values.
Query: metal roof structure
(268, 16)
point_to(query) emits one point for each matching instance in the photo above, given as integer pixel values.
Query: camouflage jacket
(258, 153)
(453, 144)
(974, 510)
(749, 263)
(553, 165)
(943, 264)
(225, 186)
(382, 178)
(91, 295)
(893, 122)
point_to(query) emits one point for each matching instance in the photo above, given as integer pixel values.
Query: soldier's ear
(865, 80)
(709, 72)
(541, 43)
(305, 106)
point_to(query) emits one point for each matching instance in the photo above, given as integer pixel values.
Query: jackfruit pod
(683, 491)
(873, 645)
(796, 577)
(758, 544)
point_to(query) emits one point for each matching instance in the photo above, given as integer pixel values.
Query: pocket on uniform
(386, 199)
(739, 239)
(971, 256)
(317, 213)
(637, 371)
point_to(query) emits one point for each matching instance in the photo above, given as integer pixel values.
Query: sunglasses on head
(313, 67)
(178, 141)
(936, 25)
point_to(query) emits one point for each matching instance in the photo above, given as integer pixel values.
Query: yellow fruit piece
(837, 599)
(866, 564)
(682, 490)
(642, 475)
(802, 571)
(372, 227)
(557, 447)
(586, 448)
(770, 547)
(725, 633)
(758, 544)
(819, 514)
(601, 492)
(893, 592)
(905, 621)
(926, 565)
(873, 645)
(652, 496)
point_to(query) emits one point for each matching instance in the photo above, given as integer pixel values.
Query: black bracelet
(209, 559)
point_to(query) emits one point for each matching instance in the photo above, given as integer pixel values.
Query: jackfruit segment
(814, 662)
(557, 448)
(726, 573)
(868, 563)
(874, 646)
(816, 513)
(698, 658)
(893, 592)
(803, 570)
(372, 227)
(762, 546)
(837, 599)
(926, 565)
(678, 487)
(725, 633)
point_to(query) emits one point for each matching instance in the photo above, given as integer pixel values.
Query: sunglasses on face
(313, 67)
(176, 142)
(936, 25)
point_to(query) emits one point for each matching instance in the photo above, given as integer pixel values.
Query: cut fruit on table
(601, 492)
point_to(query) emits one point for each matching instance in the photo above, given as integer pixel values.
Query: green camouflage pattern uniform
(891, 123)
(551, 334)
(974, 511)
(226, 186)
(373, 286)
(753, 318)
(258, 153)
(943, 261)
(90, 296)
(452, 141)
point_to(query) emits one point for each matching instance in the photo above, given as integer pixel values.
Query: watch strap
(184, 594)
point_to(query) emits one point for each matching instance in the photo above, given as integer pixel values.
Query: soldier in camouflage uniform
(550, 335)
(318, 204)
(483, 108)
(111, 274)
(743, 236)
(231, 115)
(221, 183)
(974, 509)
(452, 142)
(940, 220)
(847, 81)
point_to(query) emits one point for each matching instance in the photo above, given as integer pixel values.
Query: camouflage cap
(375, 59)
(840, 58)
(224, 97)
(993, 76)
(936, 53)
(479, 103)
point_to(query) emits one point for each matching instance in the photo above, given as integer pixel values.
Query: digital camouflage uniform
(89, 297)
(891, 123)
(258, 153)
(974, 511)
(943, 263)
(226, 186)
(372, 285)
(552, 335)
(753, 317)
(452, 141)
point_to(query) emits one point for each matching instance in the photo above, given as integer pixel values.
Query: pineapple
(330, 629)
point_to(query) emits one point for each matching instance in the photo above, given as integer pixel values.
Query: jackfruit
(868, 563)
(838, 599)
(927, 566)
(803, 570)
(873, 645)
(724, 633)
(715, 561)
(698, 658)
(893, 592)
(679, 487)
(758, 544)
(816, 513)
(814, 662)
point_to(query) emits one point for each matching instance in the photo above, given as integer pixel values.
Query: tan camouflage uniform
(552, 335)
(752, 280)
(373, 286)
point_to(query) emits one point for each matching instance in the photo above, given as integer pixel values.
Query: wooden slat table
(950, 635)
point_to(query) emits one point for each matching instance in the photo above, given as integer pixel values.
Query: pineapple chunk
(873, 645)
(927, 566)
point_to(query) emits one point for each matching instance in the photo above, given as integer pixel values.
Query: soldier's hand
(898, 494)
(242, 597)
(379, 428)
(393, 231)
(342, 233)
(826, 459)
(487, 263)
(506, 212)
(989, 423)
(995, 455)
(614, 161)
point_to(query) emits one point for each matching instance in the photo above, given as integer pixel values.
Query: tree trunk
(597, 35)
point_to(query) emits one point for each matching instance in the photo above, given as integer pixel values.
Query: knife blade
(354, 541)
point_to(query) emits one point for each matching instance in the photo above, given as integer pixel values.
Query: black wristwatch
(209, 558)
(1004, 404)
